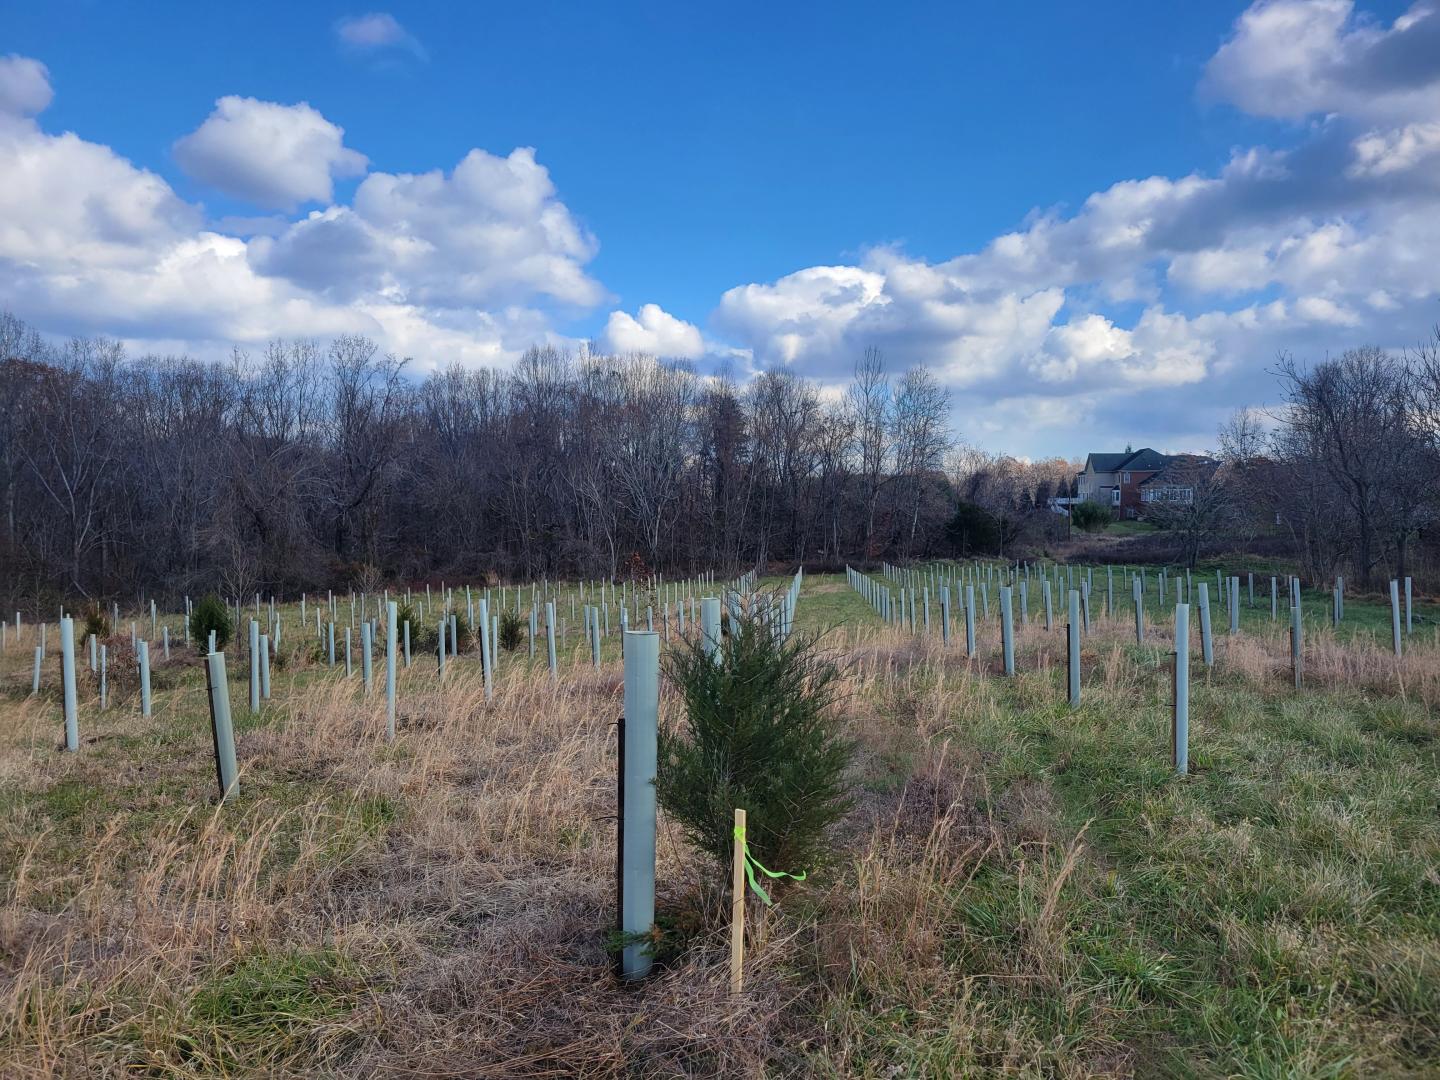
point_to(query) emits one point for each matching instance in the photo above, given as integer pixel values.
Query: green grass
(267, 1008)
(1276, 913)
(1129, 528)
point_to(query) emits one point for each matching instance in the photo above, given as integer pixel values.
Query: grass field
(1022, 889)
(1129, 528)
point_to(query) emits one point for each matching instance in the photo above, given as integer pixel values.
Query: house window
(1114, 496)
(1125, 478)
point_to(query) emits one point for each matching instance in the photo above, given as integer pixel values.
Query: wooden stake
(737, 907)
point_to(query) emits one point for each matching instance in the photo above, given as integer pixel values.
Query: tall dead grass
(461, 878)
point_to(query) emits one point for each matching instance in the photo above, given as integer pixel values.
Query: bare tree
(869, 402)
(1350, 418)
(1194, 499)
(920, 422)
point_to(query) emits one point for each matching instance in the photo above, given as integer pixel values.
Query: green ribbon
(752, 864)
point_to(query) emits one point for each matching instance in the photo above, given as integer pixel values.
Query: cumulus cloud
(24, 86)
(1382, 153)
(90, 242)
(655, 331)
(379, 30)
(1145, 314)
(491, 231)
(268, 154)
(1294, 58)
(1160, 283)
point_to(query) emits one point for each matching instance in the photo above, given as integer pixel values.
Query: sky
(1096, 224)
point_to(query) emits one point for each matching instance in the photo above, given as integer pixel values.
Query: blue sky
(1087, 218)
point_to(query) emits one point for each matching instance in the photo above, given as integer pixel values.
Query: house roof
(1134, 460)
(1104, 462)
(1144, 459)
(1182, 467)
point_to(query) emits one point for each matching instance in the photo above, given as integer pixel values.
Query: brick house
(1175, 483)
(1114, 480)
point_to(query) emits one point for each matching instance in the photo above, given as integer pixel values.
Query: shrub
(97, 623)
(210, 613)
(761, 735)
(1090, 517)
(973, 530)
(512, 631)
(425, 632)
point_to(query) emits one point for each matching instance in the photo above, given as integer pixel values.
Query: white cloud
(655, 331)
(375, 31)
(1309, 248)
(492, 231)
(1222, 270)
(268, 154)
(24, 86)
(466, 263)
(1145, 314)
(1381, 153)
(1296, 58)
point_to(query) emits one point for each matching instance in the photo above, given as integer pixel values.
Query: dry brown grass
(479, 910)
(440, 906)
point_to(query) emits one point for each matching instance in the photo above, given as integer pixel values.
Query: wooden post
(737, 907)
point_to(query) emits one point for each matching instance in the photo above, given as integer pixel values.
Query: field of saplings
(948, 819)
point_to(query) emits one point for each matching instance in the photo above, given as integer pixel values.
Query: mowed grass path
(1022, 889)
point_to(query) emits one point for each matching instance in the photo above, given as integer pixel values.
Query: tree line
(314, 465)
(1350, 463)
(317, 465)
(1345, 470)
